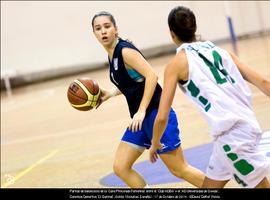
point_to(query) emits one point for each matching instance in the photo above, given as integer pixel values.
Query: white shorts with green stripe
(236, 155)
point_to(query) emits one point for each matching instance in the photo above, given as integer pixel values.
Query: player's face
(104, 30)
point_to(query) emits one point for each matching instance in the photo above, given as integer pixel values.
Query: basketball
(83, 94)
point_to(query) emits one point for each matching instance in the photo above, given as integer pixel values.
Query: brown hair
(182, 22)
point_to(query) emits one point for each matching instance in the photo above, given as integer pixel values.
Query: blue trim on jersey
(134, 74)
(170, 139)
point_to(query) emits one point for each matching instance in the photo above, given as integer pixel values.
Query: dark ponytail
(182, 22)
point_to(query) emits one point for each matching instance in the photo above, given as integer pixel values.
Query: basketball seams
(89, 95)
(82, 105)
(71, 93)
(95, 87)
(76, 94)
(87, 87)
(91, 86)
(95, 99)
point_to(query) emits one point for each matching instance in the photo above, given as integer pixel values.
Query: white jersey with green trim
(217, 87)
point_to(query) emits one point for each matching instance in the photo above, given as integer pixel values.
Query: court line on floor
(21, 174)
(50, 136)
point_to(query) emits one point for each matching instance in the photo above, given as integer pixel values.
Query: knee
(119, 169)
(179, 171)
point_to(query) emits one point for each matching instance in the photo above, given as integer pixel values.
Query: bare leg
(263, 184)
(210, 183)
(176, 163)
(125, 157)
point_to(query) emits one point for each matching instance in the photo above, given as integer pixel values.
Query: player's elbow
(266, 83)
(161, 119)
(152, 77)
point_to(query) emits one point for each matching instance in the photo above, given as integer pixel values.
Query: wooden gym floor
(45, 143)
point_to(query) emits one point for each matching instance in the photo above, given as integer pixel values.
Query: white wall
(37, 36)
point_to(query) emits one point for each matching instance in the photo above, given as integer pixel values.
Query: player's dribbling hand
(137, 120)
(153, 156)
(104, 96)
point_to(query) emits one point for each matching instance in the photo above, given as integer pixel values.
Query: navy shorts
(170, 140)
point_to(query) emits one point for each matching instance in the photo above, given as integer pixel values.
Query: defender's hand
(153, 156)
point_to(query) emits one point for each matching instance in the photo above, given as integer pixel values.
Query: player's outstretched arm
(252, 76)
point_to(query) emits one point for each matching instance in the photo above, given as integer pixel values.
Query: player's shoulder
(130, 51)
(177, 64)
(180, 59)
(125, 44)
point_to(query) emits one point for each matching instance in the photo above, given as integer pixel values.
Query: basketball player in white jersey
(214, 81)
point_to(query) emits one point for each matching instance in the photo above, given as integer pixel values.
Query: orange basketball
(83, 94)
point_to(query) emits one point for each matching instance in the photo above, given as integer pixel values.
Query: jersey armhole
(132, 73)
(182, 82)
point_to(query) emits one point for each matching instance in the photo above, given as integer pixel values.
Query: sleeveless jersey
(217, 87)
(130, 88)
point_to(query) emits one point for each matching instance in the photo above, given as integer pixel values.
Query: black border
(120, 193)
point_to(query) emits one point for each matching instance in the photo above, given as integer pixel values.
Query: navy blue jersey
(132, 90)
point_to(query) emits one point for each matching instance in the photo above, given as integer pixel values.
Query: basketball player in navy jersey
(135, 79)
